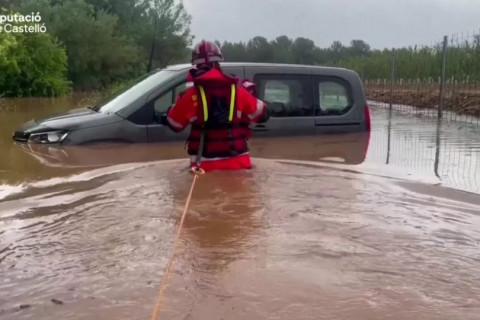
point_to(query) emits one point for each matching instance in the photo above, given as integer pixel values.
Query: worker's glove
(265, 117)
(163, 117)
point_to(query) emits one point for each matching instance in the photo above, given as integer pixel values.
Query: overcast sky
(381, 23)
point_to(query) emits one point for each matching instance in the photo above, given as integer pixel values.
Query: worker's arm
(253, 109)
(183, 111)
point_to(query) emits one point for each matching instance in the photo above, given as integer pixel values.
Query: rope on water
(158, 306)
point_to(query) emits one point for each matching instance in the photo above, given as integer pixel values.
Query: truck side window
(165, 101)
(333, 98)
(286, 95)
(277, 91)
(180, 89)
(162, 104)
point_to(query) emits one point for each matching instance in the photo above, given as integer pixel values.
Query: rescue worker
(220, 110)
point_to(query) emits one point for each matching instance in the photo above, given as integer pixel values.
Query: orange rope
(163, 285)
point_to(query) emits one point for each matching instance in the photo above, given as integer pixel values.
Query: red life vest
(225, 134)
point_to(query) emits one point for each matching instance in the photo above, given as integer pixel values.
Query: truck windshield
(125, 97)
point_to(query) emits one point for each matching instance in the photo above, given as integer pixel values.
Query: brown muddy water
(326, 227)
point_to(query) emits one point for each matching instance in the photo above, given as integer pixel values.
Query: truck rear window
(333, 98)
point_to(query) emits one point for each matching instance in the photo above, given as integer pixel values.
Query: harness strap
(232, 103)
(238, 125)
(205, 105)
(200, 149)
(230, 118)
(226, 139)
(205, 119)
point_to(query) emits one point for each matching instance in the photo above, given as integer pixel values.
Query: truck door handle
(260, 127)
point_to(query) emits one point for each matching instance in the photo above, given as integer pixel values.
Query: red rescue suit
(220, 109)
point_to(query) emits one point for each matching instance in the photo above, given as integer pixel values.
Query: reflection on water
(15, 166)
(328, 227)
(418, 145)
(422, 146)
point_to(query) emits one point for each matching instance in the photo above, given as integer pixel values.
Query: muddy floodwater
(379, 226)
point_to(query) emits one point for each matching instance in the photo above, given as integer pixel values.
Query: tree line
(286, 50)
(411, 63)
(97, 44)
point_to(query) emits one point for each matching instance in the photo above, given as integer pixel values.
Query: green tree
(8, 62)
(109, 41)
(97, 55)
(7, 3)
(234, 52)
(282, 49)
(358, 48)
(163, 32)
(336, 52)
(259, 50)
(303, 50)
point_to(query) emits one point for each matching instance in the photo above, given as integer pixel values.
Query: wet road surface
(319, 229)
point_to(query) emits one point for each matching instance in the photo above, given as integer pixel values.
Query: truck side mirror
(164, 115)
(163, 119)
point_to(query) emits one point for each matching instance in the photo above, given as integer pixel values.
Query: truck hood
(75, 119)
